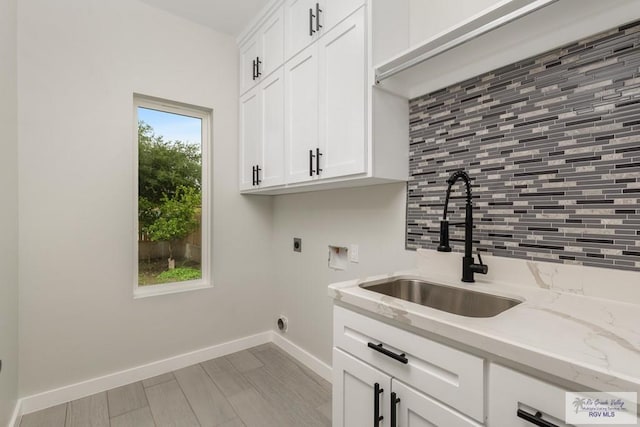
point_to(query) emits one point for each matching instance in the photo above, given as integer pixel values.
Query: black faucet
(468, 266)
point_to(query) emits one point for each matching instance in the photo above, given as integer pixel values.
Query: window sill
(169, 288)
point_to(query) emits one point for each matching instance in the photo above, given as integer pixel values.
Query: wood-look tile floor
(260, 387)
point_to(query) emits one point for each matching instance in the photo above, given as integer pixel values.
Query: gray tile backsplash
(552, 144)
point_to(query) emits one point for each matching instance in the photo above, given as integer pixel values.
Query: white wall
(79, 64)
(372, 217)
(8, 212)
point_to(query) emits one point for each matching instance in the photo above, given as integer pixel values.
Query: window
(172, 196)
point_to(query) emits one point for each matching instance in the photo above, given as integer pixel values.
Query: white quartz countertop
(558, 328)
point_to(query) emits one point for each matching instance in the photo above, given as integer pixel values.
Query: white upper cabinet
(263, 52)
(262, 134)
(342, 116)
(326, 105)
(300, 25)
(301, 116)
(272, 40)
(307, 20)
(249, 53)
(272, 130)
(334, 11)
(336, 129)
(250, 138)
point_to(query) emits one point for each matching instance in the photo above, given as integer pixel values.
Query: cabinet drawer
(451, 376)
(510, 390)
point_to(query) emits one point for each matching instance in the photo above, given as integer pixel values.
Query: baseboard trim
(303, 356)
(64, 394)
(16, 417)
(50, 398)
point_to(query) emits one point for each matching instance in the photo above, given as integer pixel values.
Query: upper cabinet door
(272, 150)
(249, 53)
(301, 115)
(343, 101)
(300, 27)
(272, 39)
(263, 52)
(334, 11)
(250, 137)
(307, 20)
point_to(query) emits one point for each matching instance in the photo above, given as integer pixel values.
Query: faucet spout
(469, 267)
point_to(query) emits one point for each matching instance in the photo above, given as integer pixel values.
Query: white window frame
(206, 115)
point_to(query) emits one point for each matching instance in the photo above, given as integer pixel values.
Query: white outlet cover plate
(354, 255)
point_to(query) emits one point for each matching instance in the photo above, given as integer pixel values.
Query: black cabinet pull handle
(253, 175)
(311, 16)
(317, 16)
(318, 154)
(258, 63)
(377, 391)
(254, 69)
(394, 415)
(535, 419)
(311, 156)
(379, 348)
(258, 180)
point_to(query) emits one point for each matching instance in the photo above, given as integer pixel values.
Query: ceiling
(227, 16)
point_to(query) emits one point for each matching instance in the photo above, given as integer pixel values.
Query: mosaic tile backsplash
(552, 144)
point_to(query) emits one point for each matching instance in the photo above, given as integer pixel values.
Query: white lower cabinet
(384, 376)
(423, 383)
(364, 394)
(414, 409)
(360, 392)
(514, 396)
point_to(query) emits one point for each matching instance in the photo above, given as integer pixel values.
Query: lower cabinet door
(358, 391)
(513, 395)
(414, 409)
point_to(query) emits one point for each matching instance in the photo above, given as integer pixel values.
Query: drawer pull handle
(534, 419)
(379, 348)
(377, 391)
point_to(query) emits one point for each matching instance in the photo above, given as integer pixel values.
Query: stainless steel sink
(464, 302)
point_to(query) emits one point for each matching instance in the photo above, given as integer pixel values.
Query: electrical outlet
(297, 244)
(354, 255)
